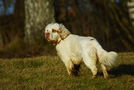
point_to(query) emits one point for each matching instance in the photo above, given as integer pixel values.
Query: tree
(108, 21)
(130, 5)
(38, 13)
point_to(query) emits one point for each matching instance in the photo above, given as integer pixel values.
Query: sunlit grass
(49, 72)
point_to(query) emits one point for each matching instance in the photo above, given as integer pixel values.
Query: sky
(10, 9)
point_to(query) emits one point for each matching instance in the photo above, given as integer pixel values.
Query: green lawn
(47, 72)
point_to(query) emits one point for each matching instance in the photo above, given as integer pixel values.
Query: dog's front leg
(69, 65)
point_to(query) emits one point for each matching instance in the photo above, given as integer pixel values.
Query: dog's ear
(63, 31)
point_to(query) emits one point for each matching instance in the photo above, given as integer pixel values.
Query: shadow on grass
(122, 69)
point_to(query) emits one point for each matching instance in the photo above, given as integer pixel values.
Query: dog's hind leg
(90, 59)
(91, 64)
(104, 71)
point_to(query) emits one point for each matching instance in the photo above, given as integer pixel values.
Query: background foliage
(108, 21)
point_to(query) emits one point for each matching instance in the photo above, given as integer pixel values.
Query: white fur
(74, 49)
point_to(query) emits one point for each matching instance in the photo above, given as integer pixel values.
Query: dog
(73, 49)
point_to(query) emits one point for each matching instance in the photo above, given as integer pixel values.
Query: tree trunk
(131, 10)
(38, 13)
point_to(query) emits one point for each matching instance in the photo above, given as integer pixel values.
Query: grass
(47, 72)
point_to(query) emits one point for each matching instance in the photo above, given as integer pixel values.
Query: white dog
(74, 49)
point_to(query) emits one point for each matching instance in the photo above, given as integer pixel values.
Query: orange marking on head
(54, 31)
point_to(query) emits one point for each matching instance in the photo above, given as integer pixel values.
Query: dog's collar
(65, 37)
(59, 40)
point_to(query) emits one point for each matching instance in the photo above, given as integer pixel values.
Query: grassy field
(47, 72)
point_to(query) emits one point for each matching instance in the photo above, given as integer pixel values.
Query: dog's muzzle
(47, 36)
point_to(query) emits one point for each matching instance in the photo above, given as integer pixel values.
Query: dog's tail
(106, 58)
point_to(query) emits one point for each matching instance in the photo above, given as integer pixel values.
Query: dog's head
(55, 31)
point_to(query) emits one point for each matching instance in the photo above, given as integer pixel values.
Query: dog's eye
(54, 31)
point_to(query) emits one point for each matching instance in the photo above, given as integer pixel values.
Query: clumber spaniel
(73, 49)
